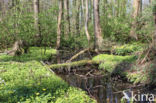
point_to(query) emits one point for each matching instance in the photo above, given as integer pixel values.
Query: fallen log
(76, 55)
(47, 67)
(73, 64)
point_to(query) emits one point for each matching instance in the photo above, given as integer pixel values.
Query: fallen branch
(72, 64)
(47, 67)
(76, 55)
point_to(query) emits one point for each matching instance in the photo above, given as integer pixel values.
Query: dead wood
(73, 64)
(18, 48)
(76, 55)
(47, 67)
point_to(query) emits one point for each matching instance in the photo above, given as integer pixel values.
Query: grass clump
(30, 82)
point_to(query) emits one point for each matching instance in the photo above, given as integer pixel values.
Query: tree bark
(136, 7)
(86, 22)
(150, 1)
(36, 21)
(154, 37)
(97, 27)
(67, 18)
(59, 24)
(77, 17)
(82, 13)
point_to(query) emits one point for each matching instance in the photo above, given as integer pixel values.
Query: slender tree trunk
(141, 7)
(36, 21)
(82, 12)
(1, 10)
(67, 18)
(150, 1)
(59, 24)
(97, 27)
(136, 7)
(77, 17)
(154, 37)
(86, 22)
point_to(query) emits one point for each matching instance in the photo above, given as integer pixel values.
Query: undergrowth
(28, 81)
(110, 62)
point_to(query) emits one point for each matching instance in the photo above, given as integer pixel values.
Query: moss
(110, 62)
(77, 63)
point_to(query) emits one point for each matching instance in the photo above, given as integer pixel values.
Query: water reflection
(98, 86)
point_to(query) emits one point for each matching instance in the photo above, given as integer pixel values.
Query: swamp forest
(77, 51)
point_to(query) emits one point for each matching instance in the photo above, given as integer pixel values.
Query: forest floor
(23, 78)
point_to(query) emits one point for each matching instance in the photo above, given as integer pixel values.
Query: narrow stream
(99, 86)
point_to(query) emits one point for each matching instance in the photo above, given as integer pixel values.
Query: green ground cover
(23, 79)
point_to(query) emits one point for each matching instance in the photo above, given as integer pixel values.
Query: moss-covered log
(72, 64)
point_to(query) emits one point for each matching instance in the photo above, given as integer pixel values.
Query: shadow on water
(97, 84)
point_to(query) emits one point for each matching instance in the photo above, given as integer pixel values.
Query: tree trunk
(18, 48)
(136, 7)
(97, 27)
(67, 18)
(154, 37)
(1, 10)
(36, 21)
(59, 24)
(141, 6)
(86, 23)
(150, 1)
(77, 17)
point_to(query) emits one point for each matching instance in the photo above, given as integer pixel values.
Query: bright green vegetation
(127, 49)
(77, 63)
(125, 65)
(30, 82)
(34, 54)
(110, 62)
(145, 74)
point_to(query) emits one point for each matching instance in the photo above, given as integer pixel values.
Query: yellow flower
(37, 93)
(44, 89)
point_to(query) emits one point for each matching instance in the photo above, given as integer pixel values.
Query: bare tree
(77, 17)
(86, 22)
(136, 8)
(97, 27)
(150, 1)
(67, 18)
(36, 21)
(154, 36)
(82, 12)
(59, 24)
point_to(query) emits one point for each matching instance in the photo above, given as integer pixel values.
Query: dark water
(99, 86)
